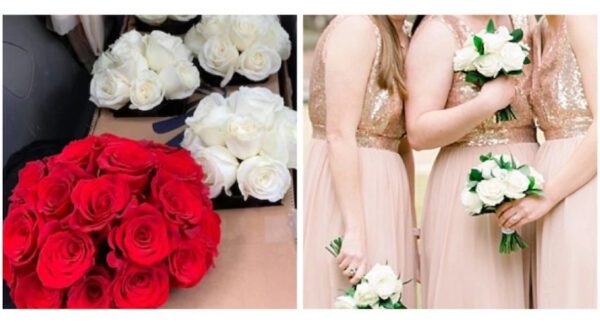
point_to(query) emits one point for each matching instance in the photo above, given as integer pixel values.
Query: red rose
(128, 158)
(64, 258)
(138, 286)
(53, 195)
(180, 165)
(29, 177)
(8, 273)
(188, 263)
(82, 153)
(30, 293)
(142, 236)
(181, 202)
(20, 235)
(91, 291)
(98, 201)
(210, 231)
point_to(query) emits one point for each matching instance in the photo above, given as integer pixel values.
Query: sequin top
(558, 98)
(382, 120)
(519, 130)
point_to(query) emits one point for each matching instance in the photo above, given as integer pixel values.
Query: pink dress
(566, 237)
(384, 182)
(460, 263)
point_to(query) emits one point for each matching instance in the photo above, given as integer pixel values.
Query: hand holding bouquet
(380, 288)
(490, 54)
(499, 179)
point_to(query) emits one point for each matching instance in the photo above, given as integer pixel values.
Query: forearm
(438, 128)
(407, 157)
(345, 173)
(579, 170)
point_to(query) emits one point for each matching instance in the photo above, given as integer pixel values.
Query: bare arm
(407, 157)
(582, 164)
(581, 167)
(350, 53)
(429, 78)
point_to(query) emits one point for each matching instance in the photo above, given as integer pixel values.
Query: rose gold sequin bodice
(558, 98)
(382, 121)
(521, 129)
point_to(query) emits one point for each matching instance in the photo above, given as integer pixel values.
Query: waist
(366, 140)
(573, 131)
(491, 137)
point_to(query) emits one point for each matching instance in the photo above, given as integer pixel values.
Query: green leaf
(517, 35)
(535, 192)
(471, 185)
(526, 60)
(486, 157)
(476, 78)
(387, 304)
(514, 72)
(490, 28)
(478, 42)
(513, 163)
(475, 175)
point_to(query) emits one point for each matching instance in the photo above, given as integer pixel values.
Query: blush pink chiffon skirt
(460, 263)
(567, 239)
(389, 222)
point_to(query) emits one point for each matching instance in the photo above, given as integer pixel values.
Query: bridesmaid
(461, 266)
(357, 184)
(564, 102)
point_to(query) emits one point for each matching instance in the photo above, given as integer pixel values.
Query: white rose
(129, 43)
(220, 57)
(163, 50)
(109, 89)
(258, 102)
(220, 168)
(146, 91)
(491, 191)
(512, 57)
(471, 202)
(492, 43)
(464, 59)
(504, 34)
(209, 25)
(263, 178)
(344, 302)
(278, 39)
(280, 141)
(153, 20)
(191, 141)
(258, 62)
(210, 120)
(398, 291)
(131, 67)
(103, 62)
(244, 136)
(246, 29)
(487, 168)
(182, 17)
(180, 80)
(365, 295)
(488, 65)
(516, 184)
(383, 280)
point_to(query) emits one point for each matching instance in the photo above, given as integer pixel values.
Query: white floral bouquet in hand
(248, 137)
(143, 70)
(380, 288)
(499, 179)
(492, 53)
(252, 46)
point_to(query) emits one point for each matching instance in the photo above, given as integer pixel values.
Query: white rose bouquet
(252, 46)
(143, 70)
(248, 138)
(380, 288)
(498, 179)
(492, 53)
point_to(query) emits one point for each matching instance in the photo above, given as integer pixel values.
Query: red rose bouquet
(108, 222)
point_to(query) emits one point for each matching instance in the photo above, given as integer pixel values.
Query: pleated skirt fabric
(567, 238)
(389, 223)
(460, 263)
